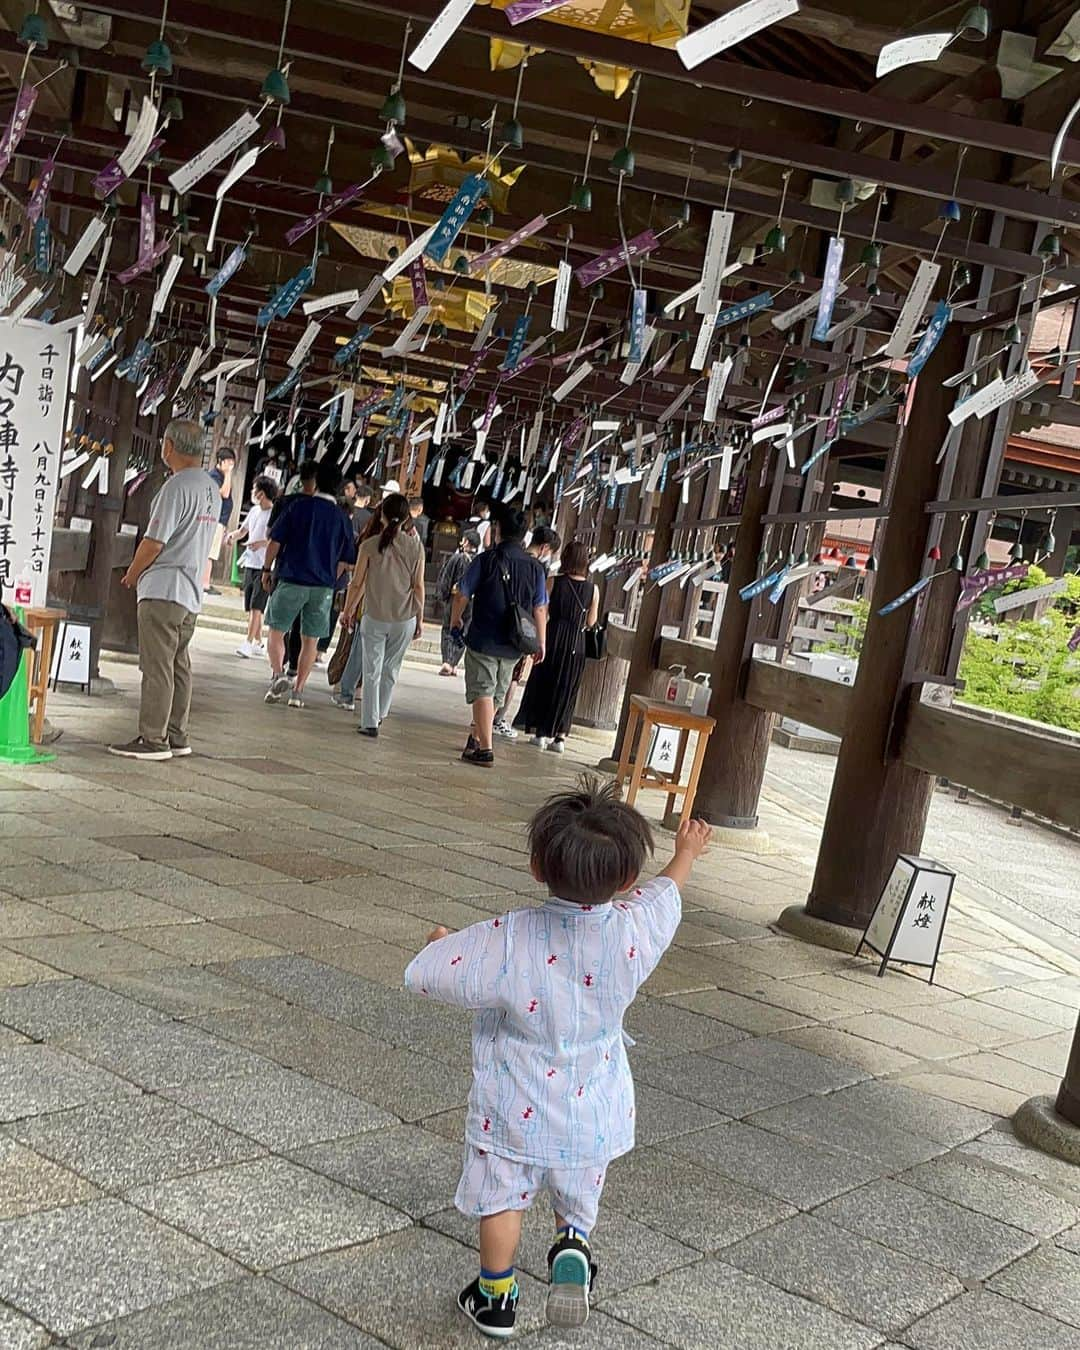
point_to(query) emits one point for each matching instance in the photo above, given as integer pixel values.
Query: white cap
(391, 485)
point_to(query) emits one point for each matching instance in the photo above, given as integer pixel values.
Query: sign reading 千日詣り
(34, 364)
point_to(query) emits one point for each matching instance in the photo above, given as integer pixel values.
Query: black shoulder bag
(595, 635)
(521, 632)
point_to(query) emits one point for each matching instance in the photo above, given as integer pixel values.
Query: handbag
(596, 640)
(339, 660)
(521, 633)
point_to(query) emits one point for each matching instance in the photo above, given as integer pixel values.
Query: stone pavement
(224, 1124)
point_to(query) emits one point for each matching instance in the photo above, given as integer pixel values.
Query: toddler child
(552, 1100)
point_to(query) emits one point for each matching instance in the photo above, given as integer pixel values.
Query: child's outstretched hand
(693, 837)
(438, 932)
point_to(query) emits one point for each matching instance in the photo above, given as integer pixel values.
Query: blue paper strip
(637, 325)
(286, 385)
(454, 217)
(346, 354)
(517, 342)
(907, 595)
(939, 321)
(830, 285)
(227, 271)
(285, 297)
(42, 245)
(762, 584)
(743, 310)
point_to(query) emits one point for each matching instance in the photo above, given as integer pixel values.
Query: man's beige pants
(165, 630)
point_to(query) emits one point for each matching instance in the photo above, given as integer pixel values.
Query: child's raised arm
(464, 969)
(690, 842)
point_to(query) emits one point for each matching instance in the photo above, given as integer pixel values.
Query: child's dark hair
(586, 844)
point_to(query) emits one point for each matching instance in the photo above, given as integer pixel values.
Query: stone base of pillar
(1038, 1124)
(608, 765)
(751, 840)
(798, 924)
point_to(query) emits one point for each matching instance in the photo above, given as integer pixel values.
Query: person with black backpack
(508, 591)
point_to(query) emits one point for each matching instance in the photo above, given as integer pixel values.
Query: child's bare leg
(499, 1238)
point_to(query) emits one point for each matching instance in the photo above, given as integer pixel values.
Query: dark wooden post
(643, 657)
(734, 764)
(878, 804)
(1068, 1098)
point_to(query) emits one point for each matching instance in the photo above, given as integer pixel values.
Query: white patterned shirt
(550, 985)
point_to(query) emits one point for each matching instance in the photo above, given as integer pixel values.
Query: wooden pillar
(1068, 1098)
(878, 805)
(735, 759)
(1064, 524)
(643, 657)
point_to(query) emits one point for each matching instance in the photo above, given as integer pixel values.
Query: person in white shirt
(256, 530)
(552, 1100)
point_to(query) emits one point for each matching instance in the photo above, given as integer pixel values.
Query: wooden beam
(805, 698)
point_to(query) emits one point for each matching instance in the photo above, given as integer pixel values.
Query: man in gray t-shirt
(166, 572)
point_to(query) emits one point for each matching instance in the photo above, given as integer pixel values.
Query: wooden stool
(646, 713)
(43, 623)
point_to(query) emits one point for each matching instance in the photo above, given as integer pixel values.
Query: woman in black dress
(547, 707)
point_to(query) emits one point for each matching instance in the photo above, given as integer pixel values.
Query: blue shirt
(483, 582)
(314, 535)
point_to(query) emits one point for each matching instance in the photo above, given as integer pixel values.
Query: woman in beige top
(389, 576)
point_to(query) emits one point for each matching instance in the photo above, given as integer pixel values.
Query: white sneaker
(321, 658)
(505, 730)
(258, 648)
(279, 685)
(245, 649)
(559, 747)
(539, 741)
(343, 701)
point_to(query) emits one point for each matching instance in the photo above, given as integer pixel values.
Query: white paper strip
(909, 51)
(716, 250)
(90, 349)
(802, 310)
(26, 304)
(562, 296)
(408, 255)
(632, 369)
(482, 333)
(232, 138)
(675, 404)
(246, 160)
(704, 338)
(440, 423)
(195, 361)
(770, 433)
(410, 330)
(735, 26)
(87, 242)
(348, 399)
(995, 395)
(653, 480)
(572, 381)
(72, 464)
(260, 397)
(330, 301)
(367, 295)
(725, 467)
(165, 285)
(912, 312)
(443, 28)
(132, 154)
(714, 392)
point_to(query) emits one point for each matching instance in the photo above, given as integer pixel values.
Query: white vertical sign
(34, 366)
(716, 251)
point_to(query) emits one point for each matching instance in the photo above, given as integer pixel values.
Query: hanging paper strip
(517, 342)
(731, 28)
(345, 354)
(743, 310)
(562, 296)
(407, 334)
(767, 418)
(761, 584)
(333, 301)
(801, 311)
(701, 347)
(606, 263)
(418, 281)
(471, 370)
(300, 351)
(1073, 643)
(113, 176)
(241, 166)
(714, 392)
(85, 245)
(227, 270)
(977, 583)
(42, 246)
(572, 381)
(523, 10)
(147, 225)
(36, 204)
(716, 251)
(288, 383)
(443, 28)
(823, 449)
(454, 217)
(285, 297)
(637, 324)
(830, 284)
(16, 127)
(328, 208)
(372, 289)
(504, 246)
(231, 139)
(905, 596)
(912, 311)
(995, 395)
(842, 386)
(939, 321)
(909, 51)
(143, 265)
(632, 369)
(165, 285)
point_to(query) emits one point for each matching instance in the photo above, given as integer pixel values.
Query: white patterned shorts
(491, 1185)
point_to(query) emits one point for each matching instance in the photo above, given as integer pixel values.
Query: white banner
(34, 366)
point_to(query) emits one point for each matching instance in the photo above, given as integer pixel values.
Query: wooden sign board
(909, 919)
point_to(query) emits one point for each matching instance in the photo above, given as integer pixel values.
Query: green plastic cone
(15, 747)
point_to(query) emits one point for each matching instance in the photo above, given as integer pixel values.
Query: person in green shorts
(311, 545)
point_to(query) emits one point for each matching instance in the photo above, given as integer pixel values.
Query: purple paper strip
(418, 278)
(20, 115)
(521, 365)
(577, 426)
(328, 208)
(142, 265)
(978, 583)
(830, 286)
(147, 225)
(767, 419)
(36, 204)
(523, 10)
(833, 423)
(606, 263)
(366, 405)
(465, 383)
(504, 246)
(112, 175)
(489, 411)
(1074, 641)
(567, 357)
